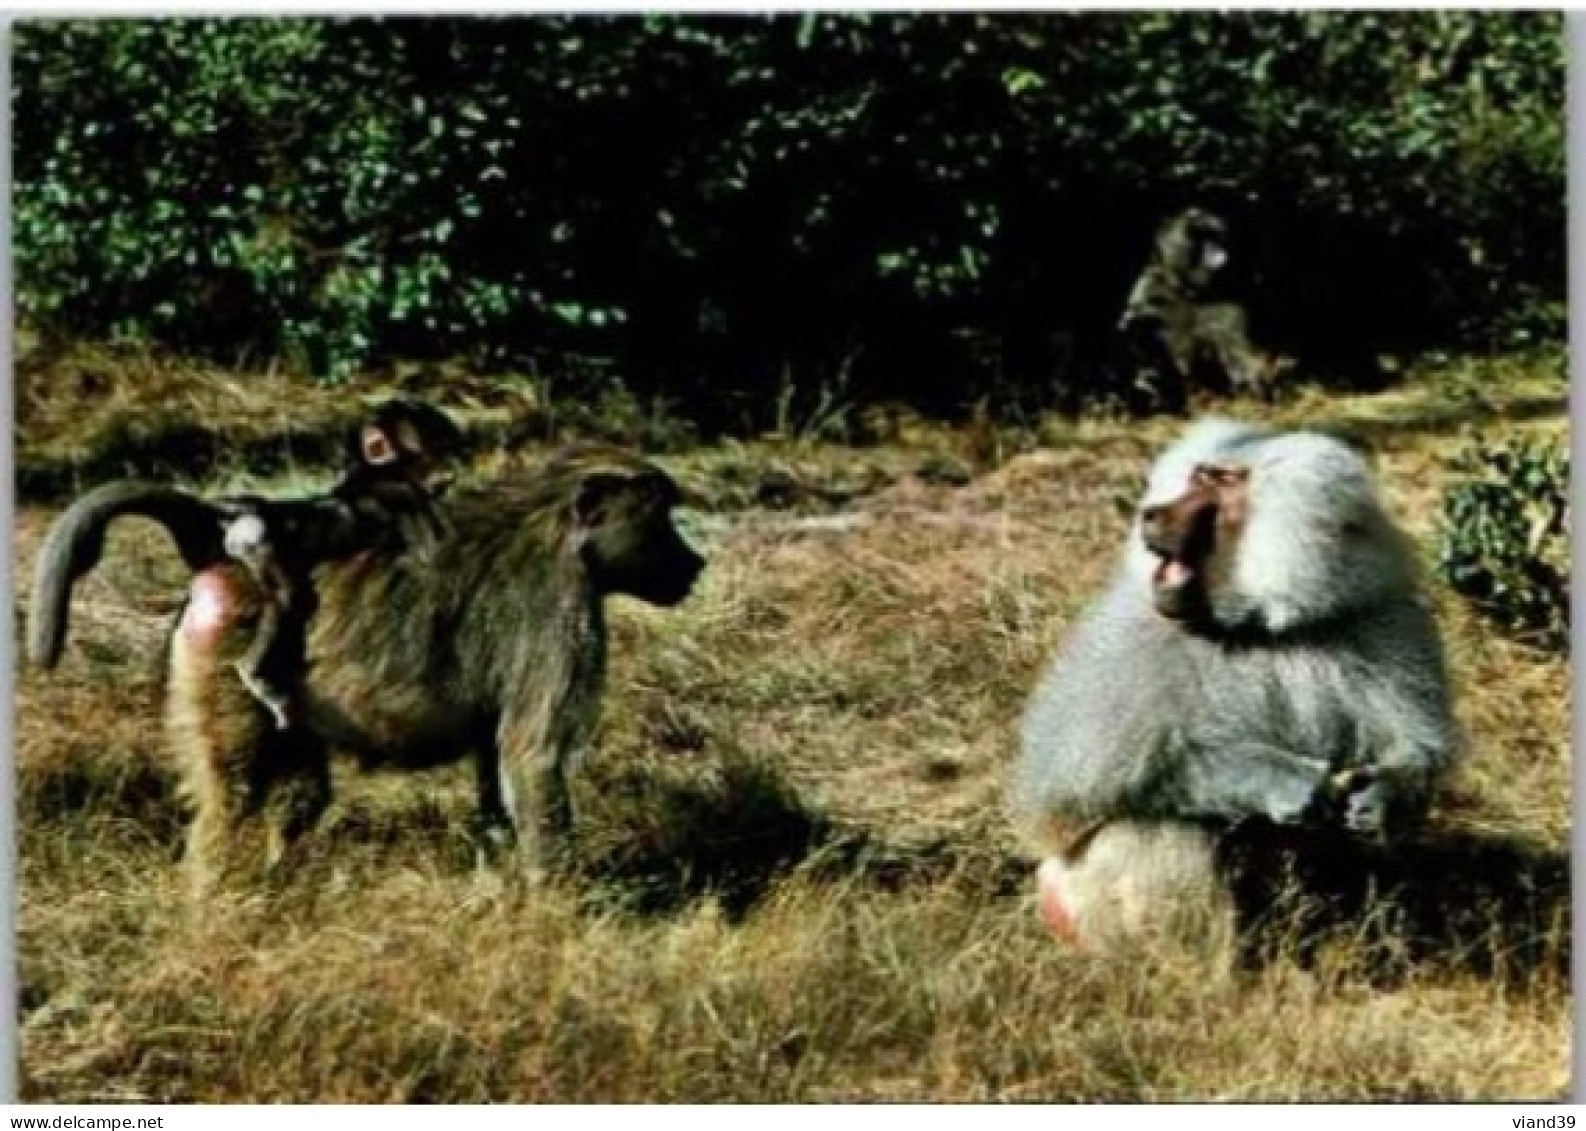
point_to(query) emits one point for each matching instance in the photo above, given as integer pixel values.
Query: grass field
(800, 882)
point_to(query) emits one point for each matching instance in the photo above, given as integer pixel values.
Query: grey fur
(1323, 657)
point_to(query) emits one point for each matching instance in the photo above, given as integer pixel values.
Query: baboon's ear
(596, 494)
(375, 446)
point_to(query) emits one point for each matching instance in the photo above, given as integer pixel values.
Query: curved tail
(77, 539)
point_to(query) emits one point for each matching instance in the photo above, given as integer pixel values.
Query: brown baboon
(1179, 308)
(385, 496)
(1265, 652)
(491, 646)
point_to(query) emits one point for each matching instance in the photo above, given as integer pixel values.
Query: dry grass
(798, 881)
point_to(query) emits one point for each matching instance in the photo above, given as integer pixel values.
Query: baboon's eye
(1221, 475)
(598, 497)
(660, 494)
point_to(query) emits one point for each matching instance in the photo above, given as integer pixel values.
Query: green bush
(1505, 539)
(723, 207)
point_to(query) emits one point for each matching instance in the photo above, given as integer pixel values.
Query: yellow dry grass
(805, 889)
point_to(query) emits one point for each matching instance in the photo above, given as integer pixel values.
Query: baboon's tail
(77, 539)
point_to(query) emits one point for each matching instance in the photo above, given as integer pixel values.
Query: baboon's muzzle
(1183, 535)
(672, 586)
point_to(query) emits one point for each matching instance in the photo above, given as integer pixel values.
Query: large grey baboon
(491, 645)
(1265, 652)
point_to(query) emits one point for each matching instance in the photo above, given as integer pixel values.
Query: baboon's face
(1189, 253)
(1195, 538)
(410, 437)
(629, 539)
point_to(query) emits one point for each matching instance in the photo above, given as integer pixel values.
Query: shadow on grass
(655, 838)
(1492, 906)
(133, 791)
(661, 838)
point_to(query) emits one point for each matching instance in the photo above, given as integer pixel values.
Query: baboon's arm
(1247, 779)
(77, 539)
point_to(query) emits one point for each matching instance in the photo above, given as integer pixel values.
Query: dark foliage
(732, 210)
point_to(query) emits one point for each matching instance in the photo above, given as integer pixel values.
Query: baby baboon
(385, 496)
(1264, 652)
(492, 646)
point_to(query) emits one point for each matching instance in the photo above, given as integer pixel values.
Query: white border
(1322, 1117)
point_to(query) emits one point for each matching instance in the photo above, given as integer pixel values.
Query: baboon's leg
(1248, 369)
(297, 778)
(496, 823)
(1225, 330)
(1178, 351)
(534, 791)
(213, 725)
(276, 644)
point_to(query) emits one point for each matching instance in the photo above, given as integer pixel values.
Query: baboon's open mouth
(1172, 575)
(1181, 549)
(1178, 558)
(1178, 583)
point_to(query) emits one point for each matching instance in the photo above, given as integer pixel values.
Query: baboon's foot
(1348, 782)
(283, 853)
(1335, 798)
(1360, 796)
(495, 844)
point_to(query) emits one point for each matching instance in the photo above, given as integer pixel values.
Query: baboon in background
(1234, 293)
(386, 496)
(493, 645)
(1264, 652)
(1182, 306)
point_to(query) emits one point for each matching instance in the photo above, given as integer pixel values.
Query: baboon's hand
(1366, 811)
(1340, 799)
(1347, 783)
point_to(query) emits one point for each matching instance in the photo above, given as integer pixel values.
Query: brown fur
(387, 495)
(491, 646)
(1199, 336)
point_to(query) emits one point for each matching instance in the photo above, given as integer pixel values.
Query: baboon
(384, 496)
(1265, 652)
(1235, 294)
(492, 646)
(1181, 308)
